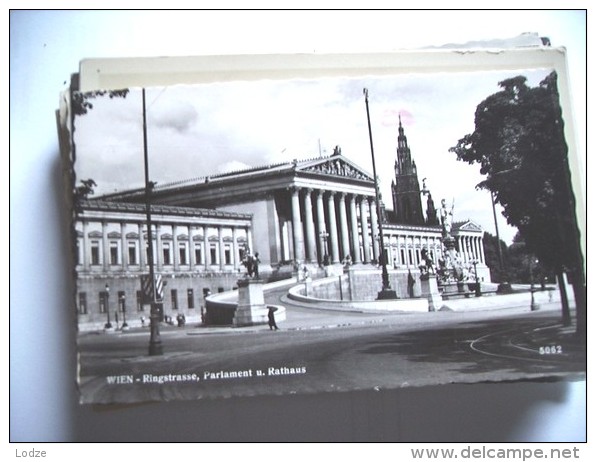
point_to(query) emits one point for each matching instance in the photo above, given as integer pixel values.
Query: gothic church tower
(405, 190)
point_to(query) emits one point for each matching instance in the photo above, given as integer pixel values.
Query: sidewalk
(305, 317)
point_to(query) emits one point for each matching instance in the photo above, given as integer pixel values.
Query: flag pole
(386, 292)
(155, 347)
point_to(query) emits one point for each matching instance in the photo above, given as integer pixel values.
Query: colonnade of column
(405, 249)
(187, 247)
(471, 248)
(330, 224)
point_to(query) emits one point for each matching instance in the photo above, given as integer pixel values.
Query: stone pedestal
(251, 303)
(430, 290)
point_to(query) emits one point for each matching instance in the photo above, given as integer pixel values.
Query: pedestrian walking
(271, 317)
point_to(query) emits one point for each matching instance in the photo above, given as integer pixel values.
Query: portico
(302, 210)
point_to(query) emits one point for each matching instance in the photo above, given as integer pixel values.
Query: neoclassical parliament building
(317, 212)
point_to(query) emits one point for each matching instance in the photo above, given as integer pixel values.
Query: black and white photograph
(308, 235)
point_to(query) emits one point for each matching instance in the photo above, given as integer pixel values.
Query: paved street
(317, 351)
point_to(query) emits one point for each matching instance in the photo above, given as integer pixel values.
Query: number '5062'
(551, 350)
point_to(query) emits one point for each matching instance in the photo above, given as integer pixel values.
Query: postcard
(273, 233)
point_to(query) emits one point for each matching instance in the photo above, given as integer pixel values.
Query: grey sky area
(200, 130)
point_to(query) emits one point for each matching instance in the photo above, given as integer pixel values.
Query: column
(333, 228)
(123, 246)
(354, 225)
(311, 248)
(105, 245)
(321, 223)
(206, 248)
(374, 225)
(142, 248)
(175, 249)
(158, 254)
(297, 226)
(364, 223)
(235, 250)
(481, 245)
(222, 256)
(249, 238)
(85, 249)
(462, 247)
(192, 261)
(343, 224)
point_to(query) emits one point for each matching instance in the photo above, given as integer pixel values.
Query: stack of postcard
(258, 225)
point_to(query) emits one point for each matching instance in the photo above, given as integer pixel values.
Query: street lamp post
(386, 292)
(155, 347)
(123, 301)
(477, 291)
(324, 236)
(474, 262)
(533, 305)
(108, 324)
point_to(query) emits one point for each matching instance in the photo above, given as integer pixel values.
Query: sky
(200, 130)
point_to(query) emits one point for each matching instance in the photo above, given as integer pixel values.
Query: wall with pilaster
(92, 286)
(264, 228)
(366, 284)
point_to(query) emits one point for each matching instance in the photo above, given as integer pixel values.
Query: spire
(402, 141)
(407, 203)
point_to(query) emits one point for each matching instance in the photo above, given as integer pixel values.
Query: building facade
(196, 252)
(315, 212)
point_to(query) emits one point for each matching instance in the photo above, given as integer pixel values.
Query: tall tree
(520, 145)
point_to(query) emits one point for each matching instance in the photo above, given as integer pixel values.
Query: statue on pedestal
(251, 263)
(451, 268)
(446, 218)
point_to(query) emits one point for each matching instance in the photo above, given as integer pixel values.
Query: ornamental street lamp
(533, 305)
(108, 324)
(477, 291)
(324, 237)
(474, 262)
(386, 292)
(123, 305)
(155, 347)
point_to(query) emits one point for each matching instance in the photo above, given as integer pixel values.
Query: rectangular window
(198, 254)
(114, 253)
(95, 253)
(103, 302)
(213, 252)
(228, 255)
(174, 294)
(182, 252)
(402, 254)
(139, 300)
(191, 298)
(132, 253)
(121, 300)
(410, 259)
(166, 253)
(82, 303)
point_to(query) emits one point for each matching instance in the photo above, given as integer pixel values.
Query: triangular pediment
(469, 226)
(336, 166)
